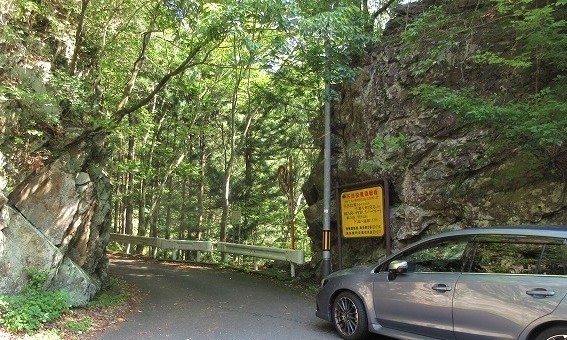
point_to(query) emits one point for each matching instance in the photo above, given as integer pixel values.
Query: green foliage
(432, 33)
(79, 326)
(389, 144)
(108, 300)
(36, 279)
(343, 28)
(428, 24)
(34, 307)
(114, 247)
(386, 151)
(112, 294)
(533, 124)
(73, 95)
(538, 120)
(252, 85)
(37, 107)
(492, 58)
(539, 32)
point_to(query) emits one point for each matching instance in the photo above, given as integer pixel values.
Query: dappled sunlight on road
(140, 262)
(146, 275)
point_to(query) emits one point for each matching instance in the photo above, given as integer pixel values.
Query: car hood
(351, 271)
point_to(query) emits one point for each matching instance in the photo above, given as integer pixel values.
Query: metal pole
(387, 232)
(339, 227)
(327, 174)
(291, 204)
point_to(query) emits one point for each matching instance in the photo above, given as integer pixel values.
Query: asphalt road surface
(202, 303)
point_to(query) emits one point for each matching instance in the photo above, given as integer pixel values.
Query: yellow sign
(362, 212)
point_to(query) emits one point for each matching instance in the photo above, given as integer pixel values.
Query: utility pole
(327, 170)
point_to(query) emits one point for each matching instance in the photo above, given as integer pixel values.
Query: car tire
(349, 316)
(553, 333)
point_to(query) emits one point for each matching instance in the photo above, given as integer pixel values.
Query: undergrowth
(34, 307)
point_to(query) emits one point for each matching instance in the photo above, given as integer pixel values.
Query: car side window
(518, 255)
(439, 256)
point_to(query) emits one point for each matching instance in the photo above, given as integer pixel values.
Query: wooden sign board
(362, 212)
(236, 217)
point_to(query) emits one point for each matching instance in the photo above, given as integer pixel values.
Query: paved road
(205, 303)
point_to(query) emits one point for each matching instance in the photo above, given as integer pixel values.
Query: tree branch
(382, 9)
(187, 63)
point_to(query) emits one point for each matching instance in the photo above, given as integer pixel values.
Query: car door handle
(540, 292)
(440, 287)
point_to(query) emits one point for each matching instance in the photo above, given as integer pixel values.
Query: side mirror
(397, 267)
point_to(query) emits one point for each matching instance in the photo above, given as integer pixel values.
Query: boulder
(23, 247)
(58, 220)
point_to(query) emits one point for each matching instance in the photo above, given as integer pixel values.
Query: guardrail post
(292, 269)
(174, 255)
(198, 256)
(255, 263)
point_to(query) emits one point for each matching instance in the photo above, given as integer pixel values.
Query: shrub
(34, 307)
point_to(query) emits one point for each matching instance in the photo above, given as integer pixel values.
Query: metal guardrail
(133, 239)
(198, 246)
(288, 255)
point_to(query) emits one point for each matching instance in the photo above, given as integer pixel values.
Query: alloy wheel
(346, 316)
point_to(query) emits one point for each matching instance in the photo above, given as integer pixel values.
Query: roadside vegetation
(40, 314)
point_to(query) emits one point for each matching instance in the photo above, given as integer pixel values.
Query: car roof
(525, 230)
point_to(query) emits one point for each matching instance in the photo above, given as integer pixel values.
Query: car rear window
(517, 255)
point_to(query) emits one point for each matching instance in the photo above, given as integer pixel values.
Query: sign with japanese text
(362, 212)
(236, 217)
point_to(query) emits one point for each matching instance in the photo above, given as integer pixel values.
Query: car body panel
(500, 304)
(410, 303)
(556, 317)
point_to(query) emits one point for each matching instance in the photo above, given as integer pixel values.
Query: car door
(509, 282)
(420, 300)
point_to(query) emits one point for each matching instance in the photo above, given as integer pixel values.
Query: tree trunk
(168, 209)
(78, 37)
(201, 195)
(129, 190)
(182, 228)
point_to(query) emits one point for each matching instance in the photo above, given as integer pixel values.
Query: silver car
(490, 283)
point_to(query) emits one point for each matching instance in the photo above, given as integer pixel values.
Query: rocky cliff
(58, 220)
(54, 196)
(445, 172)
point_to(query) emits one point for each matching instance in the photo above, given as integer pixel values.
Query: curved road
(195, 302)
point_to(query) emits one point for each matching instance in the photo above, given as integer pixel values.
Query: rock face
(443, 173)
(56, 216)
(58, 220)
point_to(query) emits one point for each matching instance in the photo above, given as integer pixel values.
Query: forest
(202, 102)
(208, 108)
